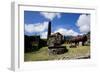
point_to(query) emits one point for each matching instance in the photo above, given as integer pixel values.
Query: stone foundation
(57, 49)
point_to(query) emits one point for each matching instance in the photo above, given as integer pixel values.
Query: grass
(43, 55)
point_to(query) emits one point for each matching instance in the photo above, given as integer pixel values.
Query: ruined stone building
(55, 39)
(54, 42)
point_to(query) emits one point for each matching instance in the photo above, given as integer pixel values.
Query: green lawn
(73, 53)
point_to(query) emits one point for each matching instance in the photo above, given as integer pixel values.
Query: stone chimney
(49, 29)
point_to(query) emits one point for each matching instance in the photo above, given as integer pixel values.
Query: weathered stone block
(57, 49)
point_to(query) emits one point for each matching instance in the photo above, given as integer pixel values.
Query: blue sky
(36, 23)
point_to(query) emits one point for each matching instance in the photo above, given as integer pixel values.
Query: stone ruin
(54, 42)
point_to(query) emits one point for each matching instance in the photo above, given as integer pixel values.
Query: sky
(68, 24)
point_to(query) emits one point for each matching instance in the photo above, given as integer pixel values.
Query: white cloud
(83, 23)
(67, 32)
(44, 35)
(37, 27)
(60, 30)
(50, 15)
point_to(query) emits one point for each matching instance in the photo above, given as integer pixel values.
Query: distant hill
(68, 37)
